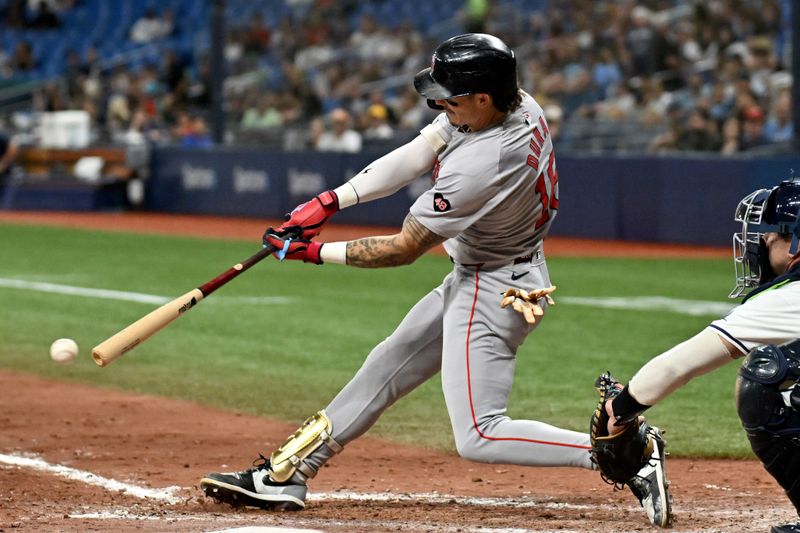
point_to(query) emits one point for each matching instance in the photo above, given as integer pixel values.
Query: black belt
(518, 261)
(524, 259)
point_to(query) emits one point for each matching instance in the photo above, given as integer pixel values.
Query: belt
(524, 259)
(518, 261)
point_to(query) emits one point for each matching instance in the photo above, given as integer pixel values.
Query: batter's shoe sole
(253, 488)
(786, 528)
(650, 485)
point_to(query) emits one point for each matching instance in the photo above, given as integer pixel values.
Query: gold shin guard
(289, 458)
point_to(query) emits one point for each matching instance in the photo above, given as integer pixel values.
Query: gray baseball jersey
(495, 191)
(494, 196)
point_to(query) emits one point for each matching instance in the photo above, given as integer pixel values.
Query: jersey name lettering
(549, 199)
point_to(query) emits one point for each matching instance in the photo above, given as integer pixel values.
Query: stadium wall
(685, 199)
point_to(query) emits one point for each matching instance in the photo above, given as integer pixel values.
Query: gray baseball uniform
(494, 196)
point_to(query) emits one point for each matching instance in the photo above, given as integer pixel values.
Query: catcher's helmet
(762, 211)
(468, 64)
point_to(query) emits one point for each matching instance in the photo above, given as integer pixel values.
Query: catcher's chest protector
(767, 398)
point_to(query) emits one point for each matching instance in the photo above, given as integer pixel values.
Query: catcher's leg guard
(768, 412)
(781, 458)
(290, 457)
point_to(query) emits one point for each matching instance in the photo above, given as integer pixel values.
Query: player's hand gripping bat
(132, 336)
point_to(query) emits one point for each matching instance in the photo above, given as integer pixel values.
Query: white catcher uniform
(494, 196)
(767, 317)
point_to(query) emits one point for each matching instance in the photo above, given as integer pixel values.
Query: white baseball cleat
(650, 484)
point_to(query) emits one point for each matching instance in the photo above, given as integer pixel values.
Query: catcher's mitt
(621, 456)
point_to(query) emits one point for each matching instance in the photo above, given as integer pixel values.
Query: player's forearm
(370, 252)
(383, 251)
(674, 368)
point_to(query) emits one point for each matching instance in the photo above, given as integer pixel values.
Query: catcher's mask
(763, 211)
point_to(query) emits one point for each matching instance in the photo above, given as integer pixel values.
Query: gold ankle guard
(289, 458)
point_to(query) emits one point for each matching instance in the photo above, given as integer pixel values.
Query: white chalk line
(639, 303)
(125, 296)
(653, 303)
(166, 495)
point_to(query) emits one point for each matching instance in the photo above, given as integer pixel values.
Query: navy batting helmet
(468, 64)
(762, 211)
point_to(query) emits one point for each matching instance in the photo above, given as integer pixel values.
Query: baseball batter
(767, 260)
(494, 197)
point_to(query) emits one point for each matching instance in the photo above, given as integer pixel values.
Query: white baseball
(63, 350)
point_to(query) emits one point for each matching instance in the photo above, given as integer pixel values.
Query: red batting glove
(296, 249)
(312, 215)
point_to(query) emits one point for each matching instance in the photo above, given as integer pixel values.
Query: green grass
(287, 361)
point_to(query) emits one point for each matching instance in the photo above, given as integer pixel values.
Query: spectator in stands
(554, 116)
(263, 114)
(172, 71)
(731, 136)
(699, 135)
(475, 14)
(256, 35)
(151, 27)
(376, 120)
(23, 60)
(753, 128)
(675, 118)
(606, 73)
(761, 65)
(8, 154)
(166, 23)
(15, 14)
(411, 112)
(315, 130)
(6, 70)
(44, 17)
(779, 127)
(192, 132)
(372, 42)
(340, 137)
(721, 102)
(639, 40)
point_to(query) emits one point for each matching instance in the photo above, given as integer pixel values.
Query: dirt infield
(75, 458)
(251, 229)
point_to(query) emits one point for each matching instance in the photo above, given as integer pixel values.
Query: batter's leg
(407, 358)
(479, 347)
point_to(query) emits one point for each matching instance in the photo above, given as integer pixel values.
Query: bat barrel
(129, 338)
(132, 336)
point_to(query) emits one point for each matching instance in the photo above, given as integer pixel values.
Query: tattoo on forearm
(375, 252)
(392, 250)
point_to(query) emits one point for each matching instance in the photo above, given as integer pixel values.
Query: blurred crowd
(708, 76)
(677, 75)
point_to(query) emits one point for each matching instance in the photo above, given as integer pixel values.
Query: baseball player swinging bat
(132, 336)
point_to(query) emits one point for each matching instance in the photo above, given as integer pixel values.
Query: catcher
(764, 327)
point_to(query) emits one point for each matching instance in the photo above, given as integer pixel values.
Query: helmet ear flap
(433, 105)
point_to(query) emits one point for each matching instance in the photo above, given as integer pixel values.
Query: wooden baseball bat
(132, 336)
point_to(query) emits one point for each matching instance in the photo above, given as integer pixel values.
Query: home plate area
(72, 463)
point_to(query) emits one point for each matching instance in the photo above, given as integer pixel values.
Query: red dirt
(251, 229)
(157, 442)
